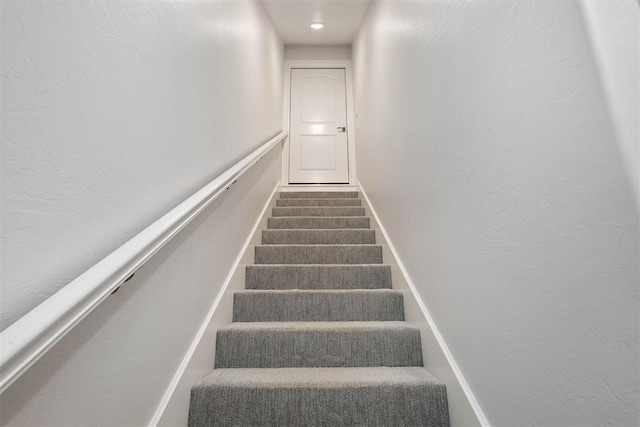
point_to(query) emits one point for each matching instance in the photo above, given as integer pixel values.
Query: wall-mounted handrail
(29, 338)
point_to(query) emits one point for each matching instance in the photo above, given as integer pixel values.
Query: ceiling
(341, 18)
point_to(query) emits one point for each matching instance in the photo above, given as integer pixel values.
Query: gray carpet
(320, 195)
(318, 306)
(318, 202)
(319, 344)
(318, 237)
(328, 397)
(318, 338)
(318, 254)
(318, 211)
(292, 276)
(318, 222)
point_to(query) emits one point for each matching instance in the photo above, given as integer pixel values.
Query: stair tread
(318, 254)
(360, 326)
(315, 211)
(325, 230)
(319, 194)
(299, 202)
(325, 198)
(341, 377)
(318, 305)
(350, 245)
(318, 222)
(318, 276)
(318, 344)
(318, 291)
(301, 236)
(313, 397)
(321, 217)
(317, 265)
(360, 208)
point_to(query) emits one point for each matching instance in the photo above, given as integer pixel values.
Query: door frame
(286, 108)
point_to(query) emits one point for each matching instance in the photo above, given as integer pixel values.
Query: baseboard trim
(473, 402)
(168, 395)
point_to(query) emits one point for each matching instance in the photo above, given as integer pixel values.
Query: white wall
(112, 113)
(614, 30)
(486, 147)
(317, 52)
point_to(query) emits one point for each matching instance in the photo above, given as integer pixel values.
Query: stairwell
(318, 337)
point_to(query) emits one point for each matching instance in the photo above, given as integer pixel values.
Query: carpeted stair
(319, 338)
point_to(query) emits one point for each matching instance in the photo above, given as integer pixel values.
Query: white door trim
(286, 105)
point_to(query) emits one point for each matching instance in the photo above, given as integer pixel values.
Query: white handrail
(26, 340)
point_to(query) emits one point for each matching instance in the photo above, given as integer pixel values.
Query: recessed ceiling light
(317, 25)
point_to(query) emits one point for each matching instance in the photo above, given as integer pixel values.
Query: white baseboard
(235, 276)
(463, 406)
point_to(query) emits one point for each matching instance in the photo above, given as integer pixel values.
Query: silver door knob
(342, 129)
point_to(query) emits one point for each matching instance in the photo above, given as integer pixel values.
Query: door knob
(342, 129)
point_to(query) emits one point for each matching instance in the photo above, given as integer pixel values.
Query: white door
(318, 149)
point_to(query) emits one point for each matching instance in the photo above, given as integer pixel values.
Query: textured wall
(485, 144)
(112, 113)
(614, 30)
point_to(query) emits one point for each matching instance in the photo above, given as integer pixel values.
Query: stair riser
(319, 195)
(318, 237)
(308, 306)
(310, 348)
(380, 406)
(330, 211)
(318, 277)
(329, 223)
(348, 254)
(318, 202)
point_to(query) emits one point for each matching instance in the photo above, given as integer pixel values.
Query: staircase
(318, 338)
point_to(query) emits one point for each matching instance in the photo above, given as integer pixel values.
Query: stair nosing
(319, 207)
(328, 217)
(336, 230)
(319, 265)
(326, 291)
(321, 245)
(297, 326)
(320, 381)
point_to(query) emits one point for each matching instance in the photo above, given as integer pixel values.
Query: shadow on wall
(489, 151)
(614, 32)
